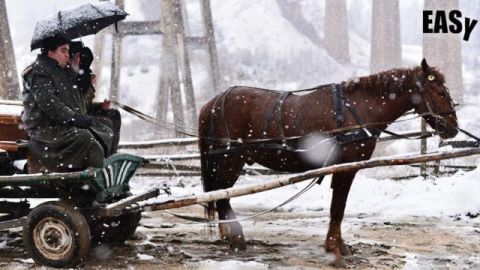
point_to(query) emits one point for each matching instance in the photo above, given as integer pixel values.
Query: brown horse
(247, 125)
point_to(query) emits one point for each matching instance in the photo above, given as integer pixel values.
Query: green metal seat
(105, 184)
(116, 174)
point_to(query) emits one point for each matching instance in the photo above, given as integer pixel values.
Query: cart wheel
(57, 235)
(116, 230)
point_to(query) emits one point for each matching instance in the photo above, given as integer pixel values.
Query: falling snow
(272, 51)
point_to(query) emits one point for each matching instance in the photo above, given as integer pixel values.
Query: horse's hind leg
(232, 232)
(341, 183)
(226, 171)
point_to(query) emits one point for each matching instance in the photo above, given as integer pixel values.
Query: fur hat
(75, 47)
(53, 42)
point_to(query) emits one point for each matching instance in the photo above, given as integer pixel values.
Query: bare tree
(169, 81)
(386, 49)
(336, 30)
(445, 51)
(9, 88)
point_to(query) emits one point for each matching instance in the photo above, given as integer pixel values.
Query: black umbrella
(77, 22)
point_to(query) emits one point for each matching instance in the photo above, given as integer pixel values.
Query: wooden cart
(85, 208)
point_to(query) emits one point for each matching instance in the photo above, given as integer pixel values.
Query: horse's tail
(207, 182)
(204, 130)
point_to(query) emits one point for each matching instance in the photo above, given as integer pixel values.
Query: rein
(152, 120)
(338, 115)
(170, 126)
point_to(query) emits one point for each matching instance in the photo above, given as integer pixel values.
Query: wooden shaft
(339, 168)
(39, 177)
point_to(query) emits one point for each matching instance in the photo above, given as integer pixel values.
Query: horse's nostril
(448, 133)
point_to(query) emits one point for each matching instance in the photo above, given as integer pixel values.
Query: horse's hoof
(339, 263)
(225, 231)
(238, 243)
(345, 250)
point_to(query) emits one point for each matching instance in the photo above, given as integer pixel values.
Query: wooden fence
(186, 164)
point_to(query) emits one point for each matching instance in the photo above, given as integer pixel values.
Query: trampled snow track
(281, 240)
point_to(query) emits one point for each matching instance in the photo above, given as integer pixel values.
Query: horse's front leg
(227, 170)
(341, 184)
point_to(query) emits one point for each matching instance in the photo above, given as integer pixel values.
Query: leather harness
(339, 105)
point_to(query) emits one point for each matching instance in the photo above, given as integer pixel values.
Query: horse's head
(435, 104)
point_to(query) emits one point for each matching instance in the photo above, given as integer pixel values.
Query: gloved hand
(81, 121)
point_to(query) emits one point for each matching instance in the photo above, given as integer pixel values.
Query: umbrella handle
(116, 24)
(59, 15)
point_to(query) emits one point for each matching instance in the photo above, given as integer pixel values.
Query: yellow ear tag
(431, 77)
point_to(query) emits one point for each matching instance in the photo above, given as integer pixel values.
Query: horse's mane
(395, 80)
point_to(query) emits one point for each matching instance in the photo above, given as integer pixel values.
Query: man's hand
(81, 121)
(105, 104)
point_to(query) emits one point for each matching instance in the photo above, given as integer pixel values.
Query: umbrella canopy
(77, 22)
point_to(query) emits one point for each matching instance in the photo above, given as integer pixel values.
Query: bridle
(430, 104)
(420, 83)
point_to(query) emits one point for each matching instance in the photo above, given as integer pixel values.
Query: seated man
(81, 58)
(62, 136)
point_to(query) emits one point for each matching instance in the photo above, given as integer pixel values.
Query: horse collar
(338, 101)
(339, 114)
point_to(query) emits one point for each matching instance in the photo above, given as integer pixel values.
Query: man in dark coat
(81, 58)
(62, 135)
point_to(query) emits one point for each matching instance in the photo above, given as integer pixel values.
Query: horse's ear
(424, 65)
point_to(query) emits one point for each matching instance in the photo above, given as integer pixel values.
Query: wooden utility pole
(98, 54)
(386, 49)
(175, 66)
(9, 87)
(212, 48)
(116, 59)
(169, 77)
(445, 50)
(336, 30)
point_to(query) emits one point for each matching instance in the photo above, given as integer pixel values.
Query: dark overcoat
(51, 100)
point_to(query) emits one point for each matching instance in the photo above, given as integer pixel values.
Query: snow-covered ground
(440, 197)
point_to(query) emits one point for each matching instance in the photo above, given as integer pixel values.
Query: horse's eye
(442, 94)
(431, 78)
